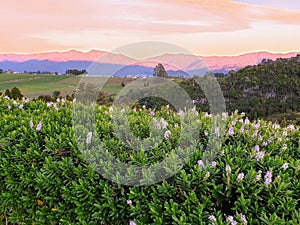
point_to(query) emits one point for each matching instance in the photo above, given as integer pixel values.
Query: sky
(203, 27)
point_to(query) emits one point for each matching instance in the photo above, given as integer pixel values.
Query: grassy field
(34, 85)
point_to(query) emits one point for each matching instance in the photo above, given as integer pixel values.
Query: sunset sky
(204, 27)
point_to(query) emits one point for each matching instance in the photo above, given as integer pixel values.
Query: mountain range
(123, 65)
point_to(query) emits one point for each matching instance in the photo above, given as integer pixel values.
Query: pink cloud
(34, 23)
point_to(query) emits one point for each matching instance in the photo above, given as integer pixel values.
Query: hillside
(266, 90)
(61, 61)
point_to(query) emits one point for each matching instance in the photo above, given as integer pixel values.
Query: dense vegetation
(254, 178)
(75, 72)
(269, 90)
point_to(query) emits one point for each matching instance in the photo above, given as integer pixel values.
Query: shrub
(46, 98)
(45, 180)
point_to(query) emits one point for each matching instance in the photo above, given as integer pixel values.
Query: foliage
(56, 93)
(261, 91)
(159, 71)
(45, 180)
(14, 93)
(75, 72)
(46, 98)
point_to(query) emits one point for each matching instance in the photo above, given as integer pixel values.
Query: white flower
(167, 134)
(231, 131)
(247, 121)
(213, 164)
(259, 155)
(200, 163)
(285, 166)
(242, 129)
(89, 137)
(181, 114)
(268, 177)
(21, 106)
(228, 170)
(207, 175)
(255, 133)
(9, 107)
(31, 124)
(231, 220)
(217, 131)
(212, 218)
(243, 219)
(163, 123)
(222, 153)
(233, 122)
(224, 115)
(240, 176)
(129, 202)
(39, 126)
(284, 147)
(258, 176)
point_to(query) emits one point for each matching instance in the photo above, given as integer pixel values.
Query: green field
(35, 85)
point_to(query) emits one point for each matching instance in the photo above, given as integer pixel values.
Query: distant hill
(61, 61)
(269, 90)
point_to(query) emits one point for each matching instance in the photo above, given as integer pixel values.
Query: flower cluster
(38, 127)
(268, 177)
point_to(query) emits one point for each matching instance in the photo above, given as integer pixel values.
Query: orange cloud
(37, 24)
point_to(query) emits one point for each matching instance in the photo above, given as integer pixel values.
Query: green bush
(45, 180)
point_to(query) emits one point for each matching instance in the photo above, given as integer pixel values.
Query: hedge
(254, 179)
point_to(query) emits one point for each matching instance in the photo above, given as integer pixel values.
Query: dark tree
(159, 71)
(7, 93)
(76, 72)
(16, 93)
(46, 98)
(104, 99)
(56, 93)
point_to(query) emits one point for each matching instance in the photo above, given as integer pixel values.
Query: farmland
(33, 86)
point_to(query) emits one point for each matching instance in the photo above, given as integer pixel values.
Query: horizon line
(107, 51)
